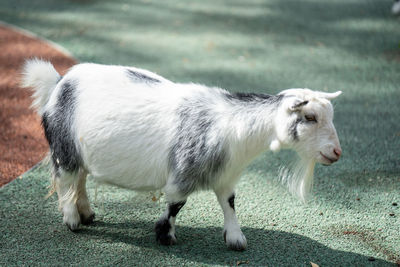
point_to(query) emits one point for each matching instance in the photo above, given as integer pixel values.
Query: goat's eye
(310, 118)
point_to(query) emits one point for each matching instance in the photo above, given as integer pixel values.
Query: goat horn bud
(329, 96)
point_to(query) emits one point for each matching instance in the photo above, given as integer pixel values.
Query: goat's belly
(128, 150)
(131, 183)
(133, 179)
(134, 164)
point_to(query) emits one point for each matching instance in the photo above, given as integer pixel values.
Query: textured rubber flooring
(261, 46)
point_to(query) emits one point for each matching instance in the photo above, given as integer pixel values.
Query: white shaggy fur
(139, 131)
(42, 76)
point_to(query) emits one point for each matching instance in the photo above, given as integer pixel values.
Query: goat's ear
(329, 96)
(298, 104)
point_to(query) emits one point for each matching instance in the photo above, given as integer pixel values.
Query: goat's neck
(251, 129)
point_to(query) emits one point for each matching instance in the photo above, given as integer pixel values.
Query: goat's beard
(299, 177)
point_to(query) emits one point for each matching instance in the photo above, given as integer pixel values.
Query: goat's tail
(42, 77)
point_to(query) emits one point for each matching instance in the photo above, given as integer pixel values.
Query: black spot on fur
(293, 129)
(173, 209)
(57, 129)
(194, 158)
(163, 226)
(140, 77)
(254, 98)
(231, 201)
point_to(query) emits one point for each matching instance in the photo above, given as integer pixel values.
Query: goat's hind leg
(66, 184)
(85, 212)
(72, 198)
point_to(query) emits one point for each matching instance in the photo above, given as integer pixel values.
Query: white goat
(132, 128)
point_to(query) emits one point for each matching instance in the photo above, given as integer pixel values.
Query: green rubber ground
(253, 45)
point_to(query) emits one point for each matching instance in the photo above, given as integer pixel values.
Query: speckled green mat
(254, 45)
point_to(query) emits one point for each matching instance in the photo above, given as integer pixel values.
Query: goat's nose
(337, 152)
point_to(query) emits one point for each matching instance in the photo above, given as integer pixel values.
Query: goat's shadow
(206, 246)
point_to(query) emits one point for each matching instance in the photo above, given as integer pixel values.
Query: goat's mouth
(327, 160)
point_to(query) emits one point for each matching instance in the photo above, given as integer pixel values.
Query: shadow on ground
(265, 246)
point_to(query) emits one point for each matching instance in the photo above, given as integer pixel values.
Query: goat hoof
(73, 226)
(87, 220)
(72, 220)
(163, 235)
(235, 240)
(166, 239)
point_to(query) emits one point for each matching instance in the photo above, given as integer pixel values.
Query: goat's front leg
(233, 236)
